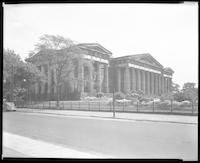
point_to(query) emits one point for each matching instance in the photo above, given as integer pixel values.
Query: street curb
(129, 119)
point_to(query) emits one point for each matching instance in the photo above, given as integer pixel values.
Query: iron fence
(154, 107)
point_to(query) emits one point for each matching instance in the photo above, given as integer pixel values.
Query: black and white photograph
(100, 81)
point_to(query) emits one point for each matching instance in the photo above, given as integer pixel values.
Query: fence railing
(153, 107)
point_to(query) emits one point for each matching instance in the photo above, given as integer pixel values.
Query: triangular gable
(95, 47)
(147, 59)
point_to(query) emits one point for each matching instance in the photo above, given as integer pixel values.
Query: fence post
(123, 105)
(88, 105)
(71, 105)
(137, 106)
(79, 106)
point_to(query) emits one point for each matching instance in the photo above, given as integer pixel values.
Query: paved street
(104, 137)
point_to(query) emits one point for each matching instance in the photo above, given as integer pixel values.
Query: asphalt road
(121, 139)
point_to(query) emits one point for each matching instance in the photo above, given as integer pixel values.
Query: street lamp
(27, 88)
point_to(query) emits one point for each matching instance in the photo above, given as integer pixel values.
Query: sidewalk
(119, 115)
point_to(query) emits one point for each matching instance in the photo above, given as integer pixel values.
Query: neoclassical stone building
(141, 72)
(90, 76)
(101, 73)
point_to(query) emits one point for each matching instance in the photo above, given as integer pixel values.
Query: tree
(175, 88)
(61, 53)
(15, 72)
(190, 92)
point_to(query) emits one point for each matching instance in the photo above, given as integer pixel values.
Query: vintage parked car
(8, 106)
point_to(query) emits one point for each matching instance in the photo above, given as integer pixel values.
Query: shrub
(74, 96)
(119, 95)
(100, 94)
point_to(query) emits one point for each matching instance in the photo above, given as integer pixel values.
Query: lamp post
(27, 88)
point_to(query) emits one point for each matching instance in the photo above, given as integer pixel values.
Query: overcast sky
(169, 32)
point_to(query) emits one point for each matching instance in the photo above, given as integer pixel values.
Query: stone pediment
(95, 47)
(146, 59)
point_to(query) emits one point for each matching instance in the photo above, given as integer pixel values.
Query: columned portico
(132, 73)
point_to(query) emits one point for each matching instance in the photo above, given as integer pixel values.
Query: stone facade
(98, 72)
(141, 73)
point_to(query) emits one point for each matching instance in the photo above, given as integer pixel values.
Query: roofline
(95, 44)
